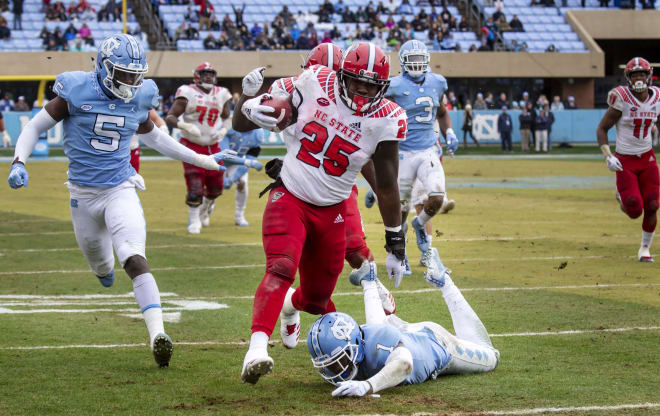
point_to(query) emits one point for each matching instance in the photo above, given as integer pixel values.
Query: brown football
(282, 113)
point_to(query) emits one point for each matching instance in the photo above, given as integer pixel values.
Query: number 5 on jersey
(108, 140)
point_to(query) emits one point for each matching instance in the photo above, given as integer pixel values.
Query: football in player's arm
(634, 109)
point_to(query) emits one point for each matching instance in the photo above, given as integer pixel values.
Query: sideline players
(634, 109)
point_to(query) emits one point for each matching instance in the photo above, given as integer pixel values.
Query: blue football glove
(18, 176)
(226, 183)
(224, 155)
(252, 162)
(451, 140)
(369, 198)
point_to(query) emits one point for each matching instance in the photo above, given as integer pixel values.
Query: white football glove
(6, 139)
(395, 268)
(207, 162)
(252, 82)
(254, 111)
(613, 163)
(189, 128)
(218, 134)
(352, 388)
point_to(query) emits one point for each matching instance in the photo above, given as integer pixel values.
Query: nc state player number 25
(335, 159)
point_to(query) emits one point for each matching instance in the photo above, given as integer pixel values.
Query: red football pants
(639, 187)
(303, 237)
(199, 181)
(356, 246)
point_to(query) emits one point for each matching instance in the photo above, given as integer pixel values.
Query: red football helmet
(197, 75)
(326, 54)
(367, 63)
(638, 65)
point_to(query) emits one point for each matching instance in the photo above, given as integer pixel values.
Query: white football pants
(104, 218)
(423, 165)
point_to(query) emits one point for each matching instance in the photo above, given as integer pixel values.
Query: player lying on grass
(387, 351)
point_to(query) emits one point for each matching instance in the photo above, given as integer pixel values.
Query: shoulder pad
(67, 83)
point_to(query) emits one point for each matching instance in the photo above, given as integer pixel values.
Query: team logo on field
(276, 196)
(85, 107)
(322, 101)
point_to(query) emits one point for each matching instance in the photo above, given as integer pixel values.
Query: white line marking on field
(239, 343)
(83, 297)
(157, 246)
(574, 332)
(572, 409)
(38, 233)
(172, 317)
(156, 269)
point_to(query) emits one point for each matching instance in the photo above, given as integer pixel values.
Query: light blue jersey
(99, 128)
(429, 357)
(421, 102)
(242, 142)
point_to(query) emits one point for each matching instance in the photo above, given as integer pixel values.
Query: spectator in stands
(238, 14)
(215, 24)
(504, 127)
(52, 45)
(467, 125)
(541, 132)
(361, 15)
(206, 10)
(180, 32)
(551, 121)
(191, 32)
(392, 5)
(502, 24)
(526, 99)
(501, 101)
(70, 32)
(4, 6)
(6, 104)
(557, 105)
(379, 41)
(339, 7)
(256, 30)
(325, 11)
(17, 9)
(524, 47)
(571, 104)
(5, 32)
(516, 25)
(405, 8)
(390, 23)
(497, 13)
(86, 33)
(335, 34)
(44, 35)
(551, 48)
(286, 16)
(210, 42)
(490, 100)
(463, 26)
(479, 103)
(487, 40)
(526, 120)
(451, 99)
(377, 24)
(448, 42)
(192, 15)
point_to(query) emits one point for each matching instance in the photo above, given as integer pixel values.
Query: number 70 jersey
(329, 144)
(633, 130)
(203, 110)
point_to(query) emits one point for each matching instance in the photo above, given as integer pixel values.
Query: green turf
(549, 256)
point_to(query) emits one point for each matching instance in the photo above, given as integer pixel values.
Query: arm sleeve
(398, 366)
(166, 145)
(39, 124)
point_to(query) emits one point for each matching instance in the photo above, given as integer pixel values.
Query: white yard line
(541, 410)
(155, 269)
(238, 343)
(155, 246)
(38, 233)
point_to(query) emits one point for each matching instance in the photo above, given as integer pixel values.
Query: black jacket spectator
(17, 9)
(516, 24)
(210, 42)
(5, 33)
(504, 123)
(526, 120)
(238, 15)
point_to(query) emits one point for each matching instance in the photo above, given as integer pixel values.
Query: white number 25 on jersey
(108, 140)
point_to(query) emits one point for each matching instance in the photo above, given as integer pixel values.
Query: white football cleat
(644, 255)
(241, 221)
(194, 227)
(254, 368)
(386, 298)
(447, 206)
(289, 323)
(205, 214)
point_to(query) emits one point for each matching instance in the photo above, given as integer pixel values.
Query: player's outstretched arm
(386, 166)
(56, 110)
(163, 143)
(610, 118)
(398, 366)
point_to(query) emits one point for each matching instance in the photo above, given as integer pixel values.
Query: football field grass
(539, 248)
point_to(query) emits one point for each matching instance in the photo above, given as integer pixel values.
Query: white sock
(647, 239)
(287, 307)
(467, 324)
(241, 200)
(258, 344)
(193, 215)
(148, 299)
(373, 307)
(423, 217)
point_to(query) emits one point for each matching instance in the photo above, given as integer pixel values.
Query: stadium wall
(573, 126)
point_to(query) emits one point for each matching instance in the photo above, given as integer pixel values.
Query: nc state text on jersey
(341, 127)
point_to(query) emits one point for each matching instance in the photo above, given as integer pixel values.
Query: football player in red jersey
(135, 142)
(341, 122)
(358, 254)
(634, 109)
(204, 106)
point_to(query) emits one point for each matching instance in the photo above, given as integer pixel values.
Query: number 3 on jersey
(335, 158)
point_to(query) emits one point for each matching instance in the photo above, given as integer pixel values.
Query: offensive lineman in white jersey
(634, 109)
(204, 106)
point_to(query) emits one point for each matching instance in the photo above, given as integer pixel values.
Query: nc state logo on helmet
(326, 54)
(639, 65)
(363, 62)
(197, 75)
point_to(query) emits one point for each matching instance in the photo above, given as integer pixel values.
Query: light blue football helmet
(414, 58)
(121, 64)
(335, 344)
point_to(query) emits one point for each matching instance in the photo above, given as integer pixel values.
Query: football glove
(252, 82)
(273, 168)
(255, 112)
(352, 388)
(18, 176)
(6, 139)
(395, 244)
(369, 198)
(613, 163)
(451, 140)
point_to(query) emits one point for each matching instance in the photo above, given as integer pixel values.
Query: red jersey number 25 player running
(634, 109)
(341, 122)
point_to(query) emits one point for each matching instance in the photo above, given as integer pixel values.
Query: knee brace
(282, 267)
(193, 200)
(633, 206)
